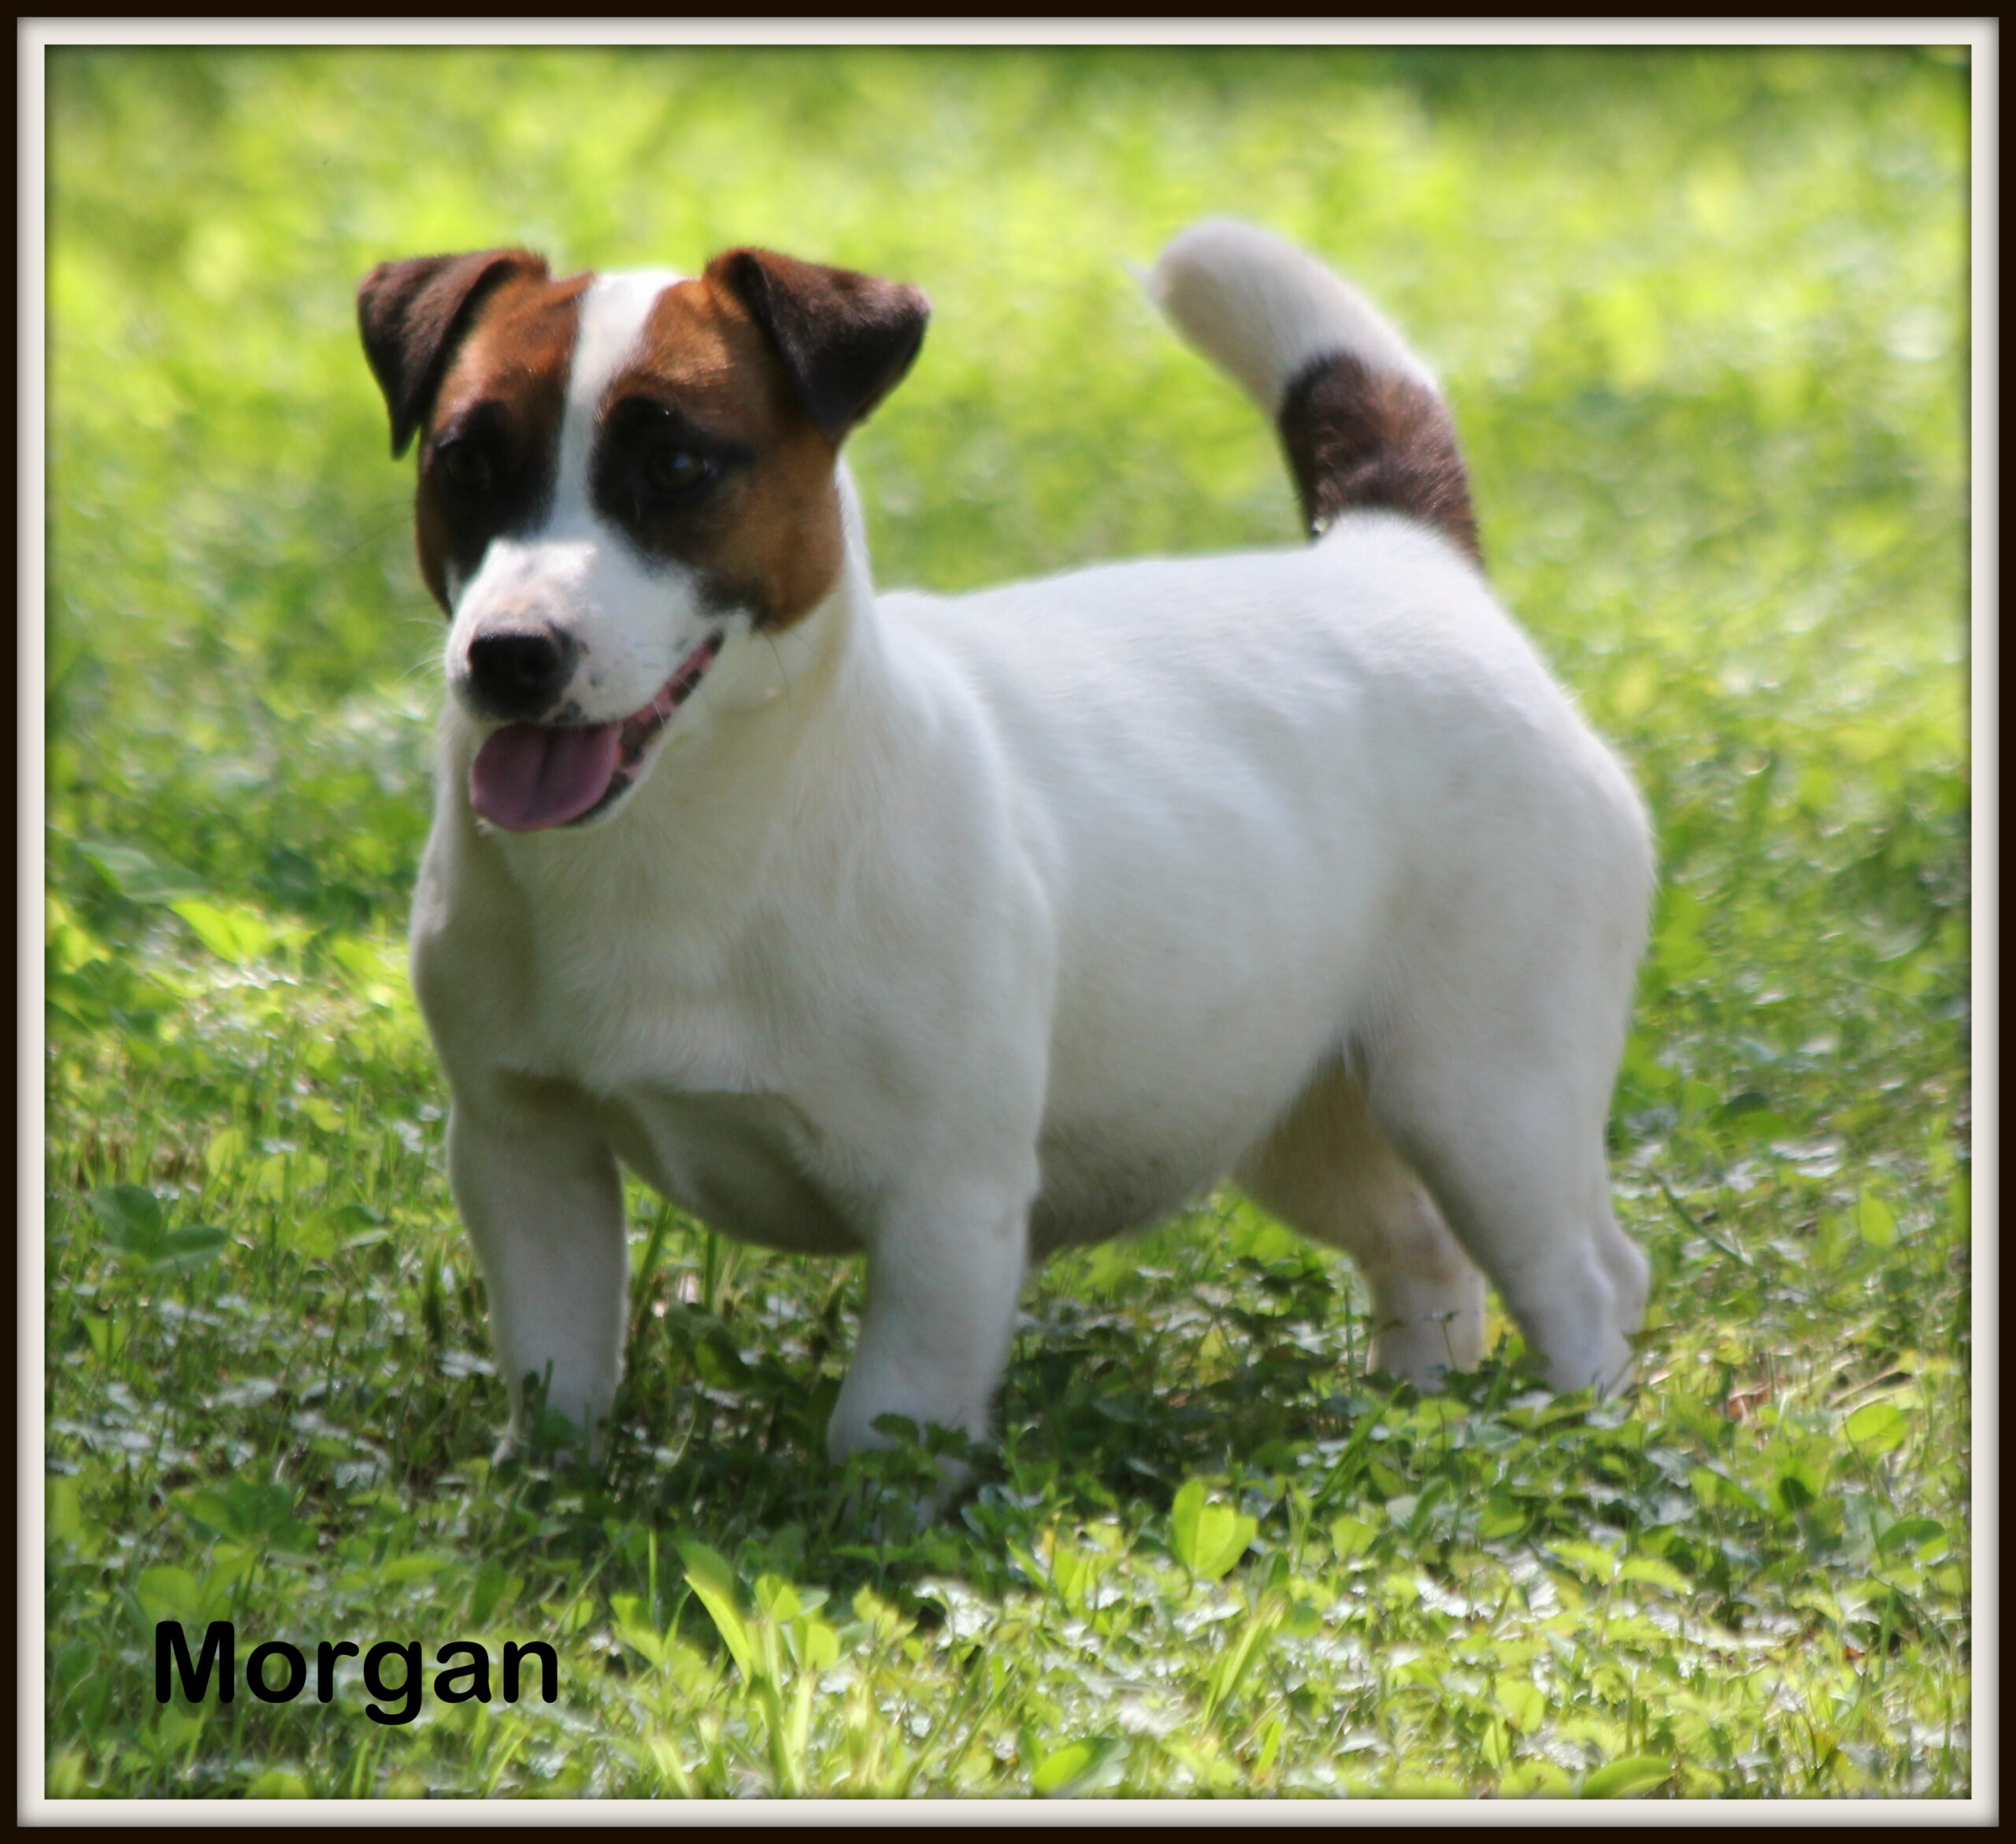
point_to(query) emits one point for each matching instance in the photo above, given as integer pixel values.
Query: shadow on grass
(1097, 1421)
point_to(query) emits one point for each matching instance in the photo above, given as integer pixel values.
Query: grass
(1703, 317)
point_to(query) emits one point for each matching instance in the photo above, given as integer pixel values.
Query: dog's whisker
(783, 671)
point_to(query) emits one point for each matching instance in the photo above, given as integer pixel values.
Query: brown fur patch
(846, 339)
(412, 314)
(766, 536)
(1358, 438)
(505, 389)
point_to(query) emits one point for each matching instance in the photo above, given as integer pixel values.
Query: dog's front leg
(542, 1197)
(944, 1280)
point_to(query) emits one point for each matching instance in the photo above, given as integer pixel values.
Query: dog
(952, 931)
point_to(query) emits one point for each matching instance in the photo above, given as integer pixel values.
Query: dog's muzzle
(528, 777)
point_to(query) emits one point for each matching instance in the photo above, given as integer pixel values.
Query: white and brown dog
(954, 931)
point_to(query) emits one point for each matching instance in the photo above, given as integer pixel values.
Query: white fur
(1265, 311)
(951, 931)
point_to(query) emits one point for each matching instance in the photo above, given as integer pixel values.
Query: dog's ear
(412, 314)
(846, 339)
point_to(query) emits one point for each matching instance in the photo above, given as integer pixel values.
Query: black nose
(522, 674)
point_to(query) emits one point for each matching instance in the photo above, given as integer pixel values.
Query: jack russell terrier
(952, 931)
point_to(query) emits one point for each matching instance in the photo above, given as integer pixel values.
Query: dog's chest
(694, 1088)
(618, 1024)
(750, 1165)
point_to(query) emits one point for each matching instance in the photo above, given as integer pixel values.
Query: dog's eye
(467, 465)
(676, 473)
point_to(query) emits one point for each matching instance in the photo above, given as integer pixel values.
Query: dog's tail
(1362, 418)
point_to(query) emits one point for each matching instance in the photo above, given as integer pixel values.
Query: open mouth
(528, 777)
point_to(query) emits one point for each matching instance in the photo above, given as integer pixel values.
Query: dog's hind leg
(1503, 1115)
(543, 1200)
(1328, 1171)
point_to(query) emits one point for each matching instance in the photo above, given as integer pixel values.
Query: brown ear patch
(846, 339)
(1358, 438)
(765, 535)
(412, 312)
(492, 445)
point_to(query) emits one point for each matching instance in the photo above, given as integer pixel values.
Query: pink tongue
(526, 777)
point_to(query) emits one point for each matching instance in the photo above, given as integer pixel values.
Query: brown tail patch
(1359, 439)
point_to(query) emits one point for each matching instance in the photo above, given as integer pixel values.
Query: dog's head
(620, 476)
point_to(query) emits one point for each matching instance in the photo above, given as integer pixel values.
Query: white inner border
(1981, 36)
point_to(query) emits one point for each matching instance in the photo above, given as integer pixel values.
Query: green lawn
(1703, 317)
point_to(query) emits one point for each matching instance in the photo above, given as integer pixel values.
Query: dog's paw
(886, 1513)
(883, 1516)
(887, 1493)
(558, 1444)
